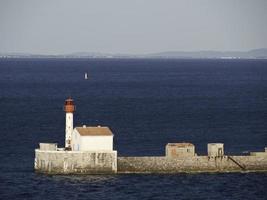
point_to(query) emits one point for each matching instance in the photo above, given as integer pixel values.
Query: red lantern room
(69, 106)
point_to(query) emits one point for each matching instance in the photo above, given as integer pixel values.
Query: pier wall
(192, 164)
(107, 162)
(75, 162)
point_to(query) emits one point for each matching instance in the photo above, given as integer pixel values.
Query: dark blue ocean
(146, 103)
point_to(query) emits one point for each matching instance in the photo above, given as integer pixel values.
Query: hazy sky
(131, 26)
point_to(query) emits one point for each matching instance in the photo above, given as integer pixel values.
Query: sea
(147, 103)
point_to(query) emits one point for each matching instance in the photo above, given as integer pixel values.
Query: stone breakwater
(194, 164)
(179, 158)
(71, 162)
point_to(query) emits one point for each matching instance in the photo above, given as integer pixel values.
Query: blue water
(146, 103)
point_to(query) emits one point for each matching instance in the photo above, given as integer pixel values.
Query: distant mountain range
(252, 54)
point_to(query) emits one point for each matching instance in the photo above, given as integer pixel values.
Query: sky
(131, 26)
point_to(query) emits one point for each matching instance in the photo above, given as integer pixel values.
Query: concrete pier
(52, 160)
(75, 162)
(193, 164)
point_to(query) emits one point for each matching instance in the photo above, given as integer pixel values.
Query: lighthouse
(69, 108)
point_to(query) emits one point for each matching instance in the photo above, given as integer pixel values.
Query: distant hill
(252, 54)
(256, 53)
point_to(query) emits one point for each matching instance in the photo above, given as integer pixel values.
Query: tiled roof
(183, 144)
(94, 131)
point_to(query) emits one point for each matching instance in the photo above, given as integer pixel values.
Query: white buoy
(85, 76)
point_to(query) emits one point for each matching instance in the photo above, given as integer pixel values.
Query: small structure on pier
(174, 150)
(48, 146)
(264, 153)
(215, 149)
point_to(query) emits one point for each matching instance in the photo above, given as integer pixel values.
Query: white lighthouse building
(88, 150)
(85, 138)
(69, 108)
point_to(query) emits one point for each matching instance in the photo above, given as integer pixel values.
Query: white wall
(68, 128)
(213, 149)
(76, 141)
(91, 143)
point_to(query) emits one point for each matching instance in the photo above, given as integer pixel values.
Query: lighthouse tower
(69, 108)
